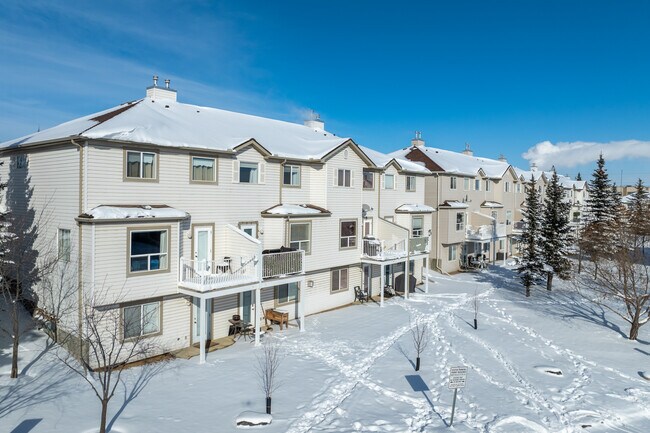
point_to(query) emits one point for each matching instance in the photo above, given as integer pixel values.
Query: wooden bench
(276, 316)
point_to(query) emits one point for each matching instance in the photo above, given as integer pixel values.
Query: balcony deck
(209, 275)
(379, 250)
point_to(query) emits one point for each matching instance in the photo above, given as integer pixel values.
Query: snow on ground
(352, 371)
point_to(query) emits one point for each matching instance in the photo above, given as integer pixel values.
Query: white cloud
(575, 153)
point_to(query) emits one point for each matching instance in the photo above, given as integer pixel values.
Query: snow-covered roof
(107, 212)
(382, 160)
(295, 209)
(526, 174)
(455, 204)
(460, 163)
(169, 123)
(491, 204)
(414, 208)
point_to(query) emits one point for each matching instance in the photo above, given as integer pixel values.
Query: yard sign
(457, 379)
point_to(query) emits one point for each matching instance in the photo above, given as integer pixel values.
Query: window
(287, 293)
(339, 280)
(506, 186)
(518, 187)
(291, 175)
(300, 236)
(343, 178)
(477, 184)
(501, 244)
(417, 224)
(148, 250)
(348, 234)
(250, 228)
(460, 221)
(203, 169)
(389, 181)
(453, 249)
(508, 217)
(21, 161)
(576, 217)
(141, 320)
(368, 179)
(140, 165)
(487, 184)
(410, 183)
(64, 245)
(466, 184)
(452, 182)
(248, 172)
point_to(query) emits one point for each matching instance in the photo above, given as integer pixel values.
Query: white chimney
(314, 122)
(502, 158)
(533, 167)
(154, 92)
(417, 141)
(468, 150)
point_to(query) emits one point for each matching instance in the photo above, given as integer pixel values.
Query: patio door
(197, 317)
(246, 306)
(202, 248)
(367, 279)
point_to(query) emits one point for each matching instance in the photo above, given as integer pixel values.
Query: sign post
(457, 379)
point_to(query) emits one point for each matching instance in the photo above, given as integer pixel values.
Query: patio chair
(360, 295)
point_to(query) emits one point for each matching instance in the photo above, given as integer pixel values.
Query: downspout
(282, 178)
(437, 225)
(80, 196)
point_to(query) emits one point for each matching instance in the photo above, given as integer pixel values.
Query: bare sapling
(475, 305)
(420, 335)
(111, 338)
(268, 364)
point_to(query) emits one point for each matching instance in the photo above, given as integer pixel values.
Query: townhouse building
(179, 217)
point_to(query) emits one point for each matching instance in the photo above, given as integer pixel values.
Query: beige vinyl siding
(111, 263)
(319, 297)
(175, 324)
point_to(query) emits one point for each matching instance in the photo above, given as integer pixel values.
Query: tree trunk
(475, 324)
(634, 330)
(15, 329)
(102, 425)
(549, 281)
(528, 291)
(417, 364)
(268, 405)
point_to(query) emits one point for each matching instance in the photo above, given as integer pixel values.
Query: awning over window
(305, 210)
(133, 212)
(414, 208)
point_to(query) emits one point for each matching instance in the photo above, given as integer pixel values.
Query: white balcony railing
(283, 263)
(379, 250)
(205, 275)
(485, 232)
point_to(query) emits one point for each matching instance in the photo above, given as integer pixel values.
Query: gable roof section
(402, 164)
(174, 124)
(454, 162)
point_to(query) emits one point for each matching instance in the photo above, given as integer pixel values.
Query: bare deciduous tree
(621, 285)
(268, 363)
(420, 335)
(111, 339)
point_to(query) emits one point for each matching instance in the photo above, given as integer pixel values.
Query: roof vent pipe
(167, 82)
(155, 80)
(502, 158)
(468, 150)
(315, 122)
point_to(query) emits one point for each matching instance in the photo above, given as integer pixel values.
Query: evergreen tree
(532, 265)
(555, 230)
(598, 236)
(638, 208)
(578, 177)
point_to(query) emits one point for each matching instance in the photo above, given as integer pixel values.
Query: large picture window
(291, 175)
(348, 234)
(140, 320)
(203, 169)
(339, 280)
(300, 236)
(148, 250)
(140, 165)
(287, 293)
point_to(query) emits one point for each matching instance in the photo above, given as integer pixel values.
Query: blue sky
(503, 76)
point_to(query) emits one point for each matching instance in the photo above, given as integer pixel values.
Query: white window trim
(453, 182)
(460, 226)
(339, 272)
(64, 255)
(411, 182)
(214, 169)
(392, 176)
(349, 180)
(348, 238)
(142, 321)
(141, 172)
(302, 242)
(298, 170)
(165, 253)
